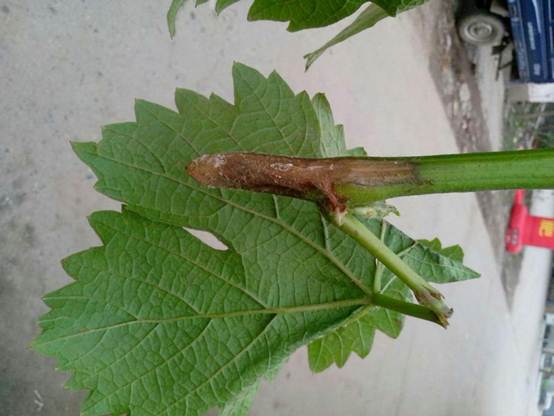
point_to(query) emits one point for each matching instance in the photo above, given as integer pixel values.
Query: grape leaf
(303, 14)
(356, 334)
(156, 321)
(306, 14)
(172, 15)
(368, 18)
(220, 5)
(453, 252)
(393, 7)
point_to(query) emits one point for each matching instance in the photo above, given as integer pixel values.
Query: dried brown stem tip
(433, 300)
(313, 179)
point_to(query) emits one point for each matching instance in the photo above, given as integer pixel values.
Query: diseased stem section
(424, 292)
(314, 179)
(354, 182)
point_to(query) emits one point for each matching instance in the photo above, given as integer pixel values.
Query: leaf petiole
(406, 308)
(424, 292)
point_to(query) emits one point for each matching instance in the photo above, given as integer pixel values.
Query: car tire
(481, 29)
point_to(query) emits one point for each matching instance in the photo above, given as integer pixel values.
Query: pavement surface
(67, 68)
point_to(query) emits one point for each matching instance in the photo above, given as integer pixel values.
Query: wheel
(481, 29)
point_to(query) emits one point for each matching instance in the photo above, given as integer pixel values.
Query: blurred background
(438, 79)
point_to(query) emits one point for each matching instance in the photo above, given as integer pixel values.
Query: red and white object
(527, 230)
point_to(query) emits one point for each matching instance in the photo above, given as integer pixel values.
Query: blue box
(533, 35)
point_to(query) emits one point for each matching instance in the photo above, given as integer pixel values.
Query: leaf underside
(158, 323)
(307, 14)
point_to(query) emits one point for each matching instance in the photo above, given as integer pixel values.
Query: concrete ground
(67, 68)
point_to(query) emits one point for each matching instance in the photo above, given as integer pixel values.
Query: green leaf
(331, 135)
(453, 252)
(301, 14)
(156, 321)
(336, 346)
(172, 15)
(427, 258)
(368, 18)
(393, 7)
(306, 14)
(284, 254)
(223, 4)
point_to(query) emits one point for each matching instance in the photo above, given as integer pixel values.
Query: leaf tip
(252, 15)
(171, 26)
(320, 101)
(66, 263)
(310, 59)
(102, 222)
(239, 67)
(82, 147)
(137, 103)
(85, 151)
(172, 16)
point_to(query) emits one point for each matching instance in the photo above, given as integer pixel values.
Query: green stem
(378, 265)
(425, 293)
(384, 301)
(406, 308)
(531, 169)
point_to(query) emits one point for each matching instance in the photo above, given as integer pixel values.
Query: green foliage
(306, 14)
(453, 252)
(427, 258)
(157, 322)
(172, 15)
(393, 7)
(368, 18)
(303, 14)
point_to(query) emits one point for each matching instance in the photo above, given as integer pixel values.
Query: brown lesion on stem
(314, 179)
(434, 301)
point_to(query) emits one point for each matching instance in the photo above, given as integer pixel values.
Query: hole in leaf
(209, 239)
